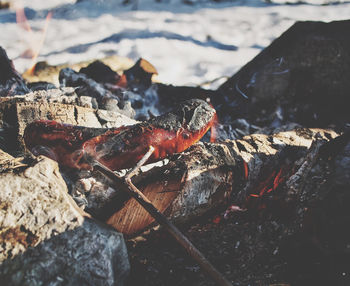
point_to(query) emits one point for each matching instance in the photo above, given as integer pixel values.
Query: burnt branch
(161, 219)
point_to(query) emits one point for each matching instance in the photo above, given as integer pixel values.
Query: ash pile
(264, 194)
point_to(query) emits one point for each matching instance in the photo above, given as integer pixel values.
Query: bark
(204, 177)
(16, 113)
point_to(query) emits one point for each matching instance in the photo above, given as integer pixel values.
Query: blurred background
(190, 42)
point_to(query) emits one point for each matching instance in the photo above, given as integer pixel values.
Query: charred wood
(100, 72)
(11, 82)
(139, 76)
(16, 113)
(88, 87)
(208, 175)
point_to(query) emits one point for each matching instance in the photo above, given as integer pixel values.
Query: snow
(188, 44)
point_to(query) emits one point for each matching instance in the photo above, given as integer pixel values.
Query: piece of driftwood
(205, 176)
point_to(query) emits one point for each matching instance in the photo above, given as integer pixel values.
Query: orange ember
(213, 130)
(271, 183)
(246, 169)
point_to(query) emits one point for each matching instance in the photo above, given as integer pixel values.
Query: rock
(128, 110)
(100, 72)
(65, 95)
(110, 119)
(139, 76)
(88, 87)
(46, 239)
(49, 73)
(301, 77)
(88, 101)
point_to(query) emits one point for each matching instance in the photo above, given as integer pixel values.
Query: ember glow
(121, 148)
(246, 170)
(170, 133)
(272, 182)
(213, 130)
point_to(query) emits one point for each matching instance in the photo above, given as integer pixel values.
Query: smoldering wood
(318, 233)
(203, 178)
(160, 218)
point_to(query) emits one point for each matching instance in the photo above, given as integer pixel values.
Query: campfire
(102, 169)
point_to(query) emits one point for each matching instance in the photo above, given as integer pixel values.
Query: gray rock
(46, 239)
(87, 101)
(301, 77)
(65, 95)
(111, 119)
(86, 86)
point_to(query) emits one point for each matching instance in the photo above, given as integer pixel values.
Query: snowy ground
(188, 44)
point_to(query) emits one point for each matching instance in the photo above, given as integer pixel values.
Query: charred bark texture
(207, 175)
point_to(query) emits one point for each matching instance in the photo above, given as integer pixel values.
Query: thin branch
(139, 164)
(133, 191)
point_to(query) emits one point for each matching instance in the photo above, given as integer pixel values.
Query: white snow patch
(188, 45)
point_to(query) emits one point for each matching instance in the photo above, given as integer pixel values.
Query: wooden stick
(133, 191)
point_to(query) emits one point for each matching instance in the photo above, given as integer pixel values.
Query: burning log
(123, 147)
(119, 148)
(204, 177)
(161, 219)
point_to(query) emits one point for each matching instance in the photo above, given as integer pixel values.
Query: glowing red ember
(75, 147)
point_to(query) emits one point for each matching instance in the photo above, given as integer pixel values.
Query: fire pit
(252, 176)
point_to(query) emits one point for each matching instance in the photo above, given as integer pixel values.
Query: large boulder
(46, 239)
(303, 76)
